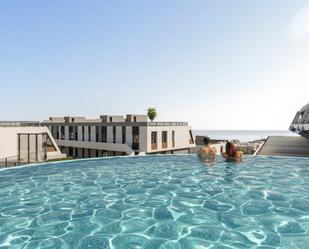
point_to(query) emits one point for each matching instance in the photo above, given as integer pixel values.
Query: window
(164, 139)
(83, 133)
(135, 136)
(97, 134)
(62, 133)
(89, 133)
(104, 134)
(154, 140)
(57, 132)
(173, 139)
(114, 134)
(123, 134)
(134, 118)
(71, 134)
(110, 119)
(76, 133)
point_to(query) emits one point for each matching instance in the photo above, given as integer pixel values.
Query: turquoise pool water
(171, 202)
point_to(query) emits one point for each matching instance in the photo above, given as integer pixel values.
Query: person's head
(206, 141)
(230, 148)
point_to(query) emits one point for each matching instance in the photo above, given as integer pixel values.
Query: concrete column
(143, 139)
(109, 134)
(118, 134)
(129, 135)
(93, 134)
(80, 133)
(86, 133)
(66, 132)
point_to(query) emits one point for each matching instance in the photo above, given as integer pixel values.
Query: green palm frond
(151, 113)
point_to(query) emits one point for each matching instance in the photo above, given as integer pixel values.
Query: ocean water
(153, 202)
(242, 135)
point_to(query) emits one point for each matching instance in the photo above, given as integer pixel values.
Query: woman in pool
(231, 154)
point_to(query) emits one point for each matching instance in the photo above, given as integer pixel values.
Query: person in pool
(231, 154)
(207, 153)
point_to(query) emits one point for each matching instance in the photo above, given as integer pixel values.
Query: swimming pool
(171, 202)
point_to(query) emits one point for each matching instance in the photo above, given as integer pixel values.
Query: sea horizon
(242, 135)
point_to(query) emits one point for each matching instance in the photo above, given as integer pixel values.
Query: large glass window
(104, 134)
(62, 133)
(76, 133)
(89, 133)
(97, 134)
(135, 136)
(114, 134)
(57, 132)
(154, 139)
(123, 134)
(164, 139)
(71, 134)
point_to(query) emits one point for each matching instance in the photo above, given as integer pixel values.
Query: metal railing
(11, 161)
(18, 123)
(15, 160)
(167, 123)
(300, 127)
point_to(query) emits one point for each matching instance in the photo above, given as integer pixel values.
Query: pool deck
(285, 146)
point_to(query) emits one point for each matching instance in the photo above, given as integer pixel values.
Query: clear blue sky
(217, 64)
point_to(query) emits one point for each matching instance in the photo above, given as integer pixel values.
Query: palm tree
(151, 113)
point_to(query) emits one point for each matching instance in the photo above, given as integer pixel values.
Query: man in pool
(207, 153)
(231, 153)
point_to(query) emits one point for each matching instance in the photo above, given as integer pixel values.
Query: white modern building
(24, 142)
(300, 123)
(79, 137)
(290, 145)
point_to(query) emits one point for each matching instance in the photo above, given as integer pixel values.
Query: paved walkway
(285, 146)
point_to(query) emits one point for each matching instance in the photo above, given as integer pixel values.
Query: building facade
(112, 135)
(300, 123)
(23, 142)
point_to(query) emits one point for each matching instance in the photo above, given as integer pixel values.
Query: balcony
(19, 123)
(300, 127)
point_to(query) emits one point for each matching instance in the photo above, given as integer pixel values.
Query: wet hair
(230, 149)
(206, 140)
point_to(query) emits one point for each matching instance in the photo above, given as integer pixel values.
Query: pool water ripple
(168, 202)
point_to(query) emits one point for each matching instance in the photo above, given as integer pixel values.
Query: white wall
(9, 140)
(182, 137)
